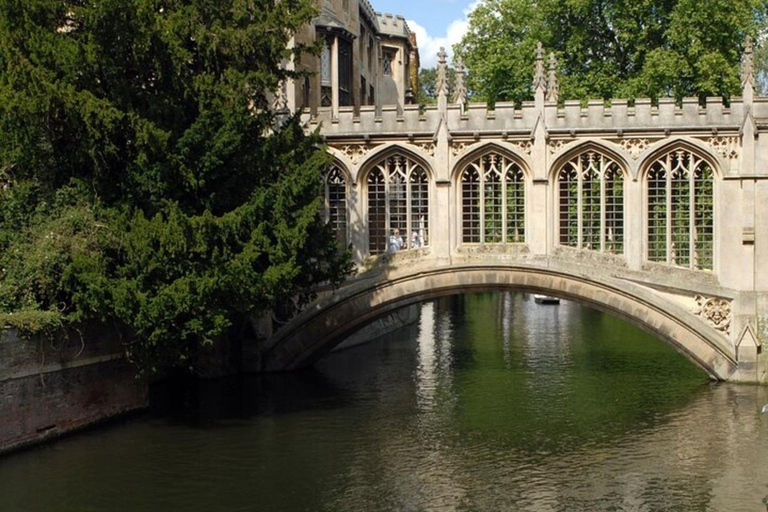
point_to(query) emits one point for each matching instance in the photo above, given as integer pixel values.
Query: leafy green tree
(610, 48)
(144, 178)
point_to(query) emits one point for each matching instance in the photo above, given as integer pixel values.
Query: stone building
(367, 59)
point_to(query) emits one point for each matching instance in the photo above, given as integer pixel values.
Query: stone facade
(670, 198)
(368, 60)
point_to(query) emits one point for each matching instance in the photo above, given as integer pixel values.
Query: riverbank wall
(53, 386)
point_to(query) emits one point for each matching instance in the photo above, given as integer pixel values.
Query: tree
(146, 180)
(610, 48)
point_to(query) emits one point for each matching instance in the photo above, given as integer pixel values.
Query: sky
(436, 23)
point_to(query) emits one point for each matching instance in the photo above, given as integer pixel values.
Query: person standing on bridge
(395, 241)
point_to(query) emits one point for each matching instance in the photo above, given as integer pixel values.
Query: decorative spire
(553, 88)
(460, 94)
(441, 83)
(539, 77)
(748, 64)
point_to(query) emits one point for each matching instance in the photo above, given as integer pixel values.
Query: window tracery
(493, 201)
(591, 203)
(398, 198)
(680, 214)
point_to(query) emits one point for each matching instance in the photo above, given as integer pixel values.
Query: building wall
(52, 387)
(371, 35)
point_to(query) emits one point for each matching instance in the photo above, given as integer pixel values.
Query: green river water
(489, 402)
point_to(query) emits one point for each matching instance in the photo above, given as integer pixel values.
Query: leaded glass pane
(704, 224)
(336, 199)
(470, 205)
(590, 201)
(657, 213)
(377, 212)
(680, 209)
(568, 184)
(492, 200)
(614, 209)
(515, 184)
(419, 234)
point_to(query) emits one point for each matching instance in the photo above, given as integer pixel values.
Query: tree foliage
(611, 48)
(144, 179)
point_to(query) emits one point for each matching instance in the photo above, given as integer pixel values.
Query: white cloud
(429, 45)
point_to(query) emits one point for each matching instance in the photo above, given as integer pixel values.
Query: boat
(545, 299)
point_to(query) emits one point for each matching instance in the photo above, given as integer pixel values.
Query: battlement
(618, 117)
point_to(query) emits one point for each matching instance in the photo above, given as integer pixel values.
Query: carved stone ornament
(634, 146)
(523, 146)
(356, 152)
(458, 148)
(428, 148)
(727, 147)
(716, 311)
(556, 145)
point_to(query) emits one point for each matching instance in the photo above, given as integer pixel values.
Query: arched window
(398, 198)
(493, 201)
(681, 211)
(336, 203)
(591, 203)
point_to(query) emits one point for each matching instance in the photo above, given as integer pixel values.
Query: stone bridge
(655, 212)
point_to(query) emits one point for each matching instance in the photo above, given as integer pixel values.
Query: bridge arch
(317, 330)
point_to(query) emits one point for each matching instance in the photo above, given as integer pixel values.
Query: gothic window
(326, 83)
(591, 203)
(386, 65)
(398, 198)
(681, 211)
(493, 201)
(336, 203)
(345, 73)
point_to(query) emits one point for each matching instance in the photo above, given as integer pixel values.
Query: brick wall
(51, 387)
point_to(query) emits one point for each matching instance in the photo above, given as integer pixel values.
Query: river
(488, 402)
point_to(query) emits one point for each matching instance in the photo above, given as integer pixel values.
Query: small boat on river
(545, 299)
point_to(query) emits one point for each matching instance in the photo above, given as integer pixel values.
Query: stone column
(633, 223)
(443, 216)
(335, 77)
(539, 204)
(357, 222)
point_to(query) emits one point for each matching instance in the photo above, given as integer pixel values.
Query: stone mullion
(602, 203)
(692, 257)
(668, 177)
(504, 204)
(481, 205)
(387, 208)
(579, 203)
(408, 203)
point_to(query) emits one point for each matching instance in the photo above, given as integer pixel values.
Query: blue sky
(436, 22)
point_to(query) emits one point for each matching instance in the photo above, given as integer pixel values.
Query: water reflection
(489, 402)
